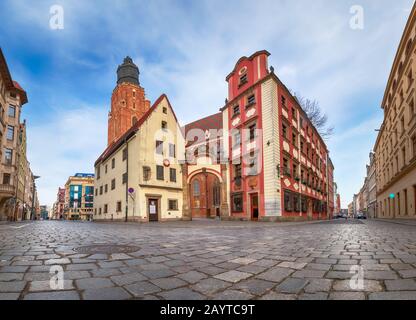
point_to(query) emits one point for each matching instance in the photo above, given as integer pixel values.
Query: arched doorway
(205, 195)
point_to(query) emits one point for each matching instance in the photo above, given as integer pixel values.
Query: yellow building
(395, 147)
(79, 197)
(138, 177)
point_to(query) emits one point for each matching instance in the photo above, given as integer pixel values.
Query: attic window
(243, 79)
(12, 94)
(165, 110)
(164, 125)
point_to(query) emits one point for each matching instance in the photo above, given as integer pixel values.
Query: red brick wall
(128, 101)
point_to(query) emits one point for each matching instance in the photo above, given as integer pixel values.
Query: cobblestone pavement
(210, 260)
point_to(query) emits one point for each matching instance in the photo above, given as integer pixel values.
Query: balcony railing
(7, 188)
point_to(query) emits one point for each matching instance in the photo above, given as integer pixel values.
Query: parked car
(360, 216)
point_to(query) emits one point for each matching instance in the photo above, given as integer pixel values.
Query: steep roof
(212, 122)
(245, 58)
(133, 130)
(10, 84)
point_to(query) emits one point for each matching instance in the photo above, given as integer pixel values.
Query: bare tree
(316, 116)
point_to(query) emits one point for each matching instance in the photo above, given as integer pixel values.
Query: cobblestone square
(207, 260)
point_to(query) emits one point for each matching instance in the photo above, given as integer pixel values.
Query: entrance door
(153, 210)
(254, 200)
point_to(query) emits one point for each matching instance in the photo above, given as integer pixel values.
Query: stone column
(225, 208)
(186, 212)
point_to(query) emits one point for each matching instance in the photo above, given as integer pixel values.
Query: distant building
(59, 205)
(79, 197)
(371, 187)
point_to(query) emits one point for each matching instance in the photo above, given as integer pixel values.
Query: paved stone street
(210, 260)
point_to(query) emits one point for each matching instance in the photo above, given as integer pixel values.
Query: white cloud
(69, 142)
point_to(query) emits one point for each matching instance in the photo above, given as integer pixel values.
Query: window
(172, 175)
(294, 139)
(404, 156)
(165, 110)
(96, 192)
(237, 171)
(100, 211)
(196, 189)
(411, 108)
(146, 173)
(13, 95)
(159, 147)
(286, 169)
(283, 101)
(8, 155)
(296, 203)
(164, 125)
(118, 206)
(301, 122)
(113, 163)
(113, 184)
(284, 131)
(237, 202)
(243, 79)
(6, 178)
(101, 190)
(294, 114)
(237, 139)
(414, 146)
(10, 133)
(236, 110)
(106, 188)
(105, 208)
(252, 129)
(173, 205)
(405, 202)
(288, 201)
(304, 205)
(12, 111)
(106, 168)
(251, 100)
(160, 173)
(125, 154)
(402, 125)
(124, 178)
(98, 172)
(301, 146)
(172, 150)
(134, 121)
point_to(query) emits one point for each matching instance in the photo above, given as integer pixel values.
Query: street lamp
(33, 196)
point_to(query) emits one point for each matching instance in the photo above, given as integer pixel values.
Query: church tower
(128, 102)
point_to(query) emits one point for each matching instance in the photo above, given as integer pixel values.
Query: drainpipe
(127, 179)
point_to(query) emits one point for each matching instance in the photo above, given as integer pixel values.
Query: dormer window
(243, 79)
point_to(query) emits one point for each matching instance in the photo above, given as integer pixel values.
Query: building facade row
(395, 148)
(18, 194)
(259, 158)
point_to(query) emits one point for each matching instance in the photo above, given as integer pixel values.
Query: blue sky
(185, 49)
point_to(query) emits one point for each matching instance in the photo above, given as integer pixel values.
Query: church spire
(128, 72)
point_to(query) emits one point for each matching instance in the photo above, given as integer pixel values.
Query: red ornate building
(260, 158)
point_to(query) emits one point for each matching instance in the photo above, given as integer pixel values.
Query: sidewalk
(406, 222)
